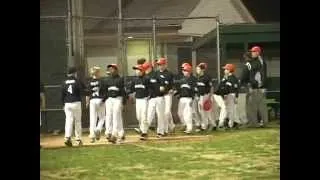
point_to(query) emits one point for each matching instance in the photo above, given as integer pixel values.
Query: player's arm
(245, 74)
(236, 86)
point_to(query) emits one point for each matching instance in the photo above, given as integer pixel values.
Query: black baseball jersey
(95, 88)
(166, 77)
(140, 86)
(113, 86)
(186, 86)
(72, 90)
(254, 73)
(204, 84)
(155, 83)
(228, 85)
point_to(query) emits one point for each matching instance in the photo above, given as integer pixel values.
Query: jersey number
(70, 89)
(96, 93)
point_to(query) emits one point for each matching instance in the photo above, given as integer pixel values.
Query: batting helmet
(207, 105)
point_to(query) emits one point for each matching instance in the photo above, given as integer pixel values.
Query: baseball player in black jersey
(167, 78)
(186, 89)
(204, 90)
(195, 111)
(254, 76)
(226, 94)
(94, 101)
(114, 97)
(156, 102)
(139, 86)
(72, 91)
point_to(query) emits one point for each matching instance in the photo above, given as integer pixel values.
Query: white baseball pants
(114, 116)
(231, 109)
(97, 110)
(206, 116)
(168, 119)
(223, 110)
(73, 116)
(141, 113)
(185, 111)
(156, 105)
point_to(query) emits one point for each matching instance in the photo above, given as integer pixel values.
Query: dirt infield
(49, 142)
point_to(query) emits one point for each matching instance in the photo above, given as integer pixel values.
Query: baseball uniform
(72, 91)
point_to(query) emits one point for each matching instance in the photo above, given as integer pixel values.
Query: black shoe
(165, 134)
(123, 138)
(113, 139)
(198, 129)
(68, 142)
(108, 137)
(79, 142)
(160, 135)
(236, 125)
(143, 136)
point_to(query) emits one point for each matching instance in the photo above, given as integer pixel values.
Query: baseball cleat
(137, 130)
(123, 138)
(92, 140)
(79, 142)
(187, 132)
(143, 136)
(68, 142)
(113, 139)
(108, 137)
(159, 135)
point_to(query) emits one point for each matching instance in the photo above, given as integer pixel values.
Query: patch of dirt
(58, 141)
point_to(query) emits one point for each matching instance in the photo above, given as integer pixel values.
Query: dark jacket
(140, 86)
(113, 86)
(254, 74)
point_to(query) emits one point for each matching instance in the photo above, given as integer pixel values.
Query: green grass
(245, 154)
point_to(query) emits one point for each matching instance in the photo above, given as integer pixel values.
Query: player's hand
(162, 88)
(171, 91)
(87, 104)
(235, 100)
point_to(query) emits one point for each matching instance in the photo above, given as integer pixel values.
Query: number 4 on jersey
(70, 89)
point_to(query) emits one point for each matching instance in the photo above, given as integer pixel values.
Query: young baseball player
(156, 104)
(115, 98)
(186, 88)
(204, 87)
(94, 101)
(139, 86)
(72, 91)
(167, 78)
(226, 96)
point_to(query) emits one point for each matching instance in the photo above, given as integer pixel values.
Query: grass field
(243, 154)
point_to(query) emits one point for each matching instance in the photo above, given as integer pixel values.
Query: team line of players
(153, 91)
